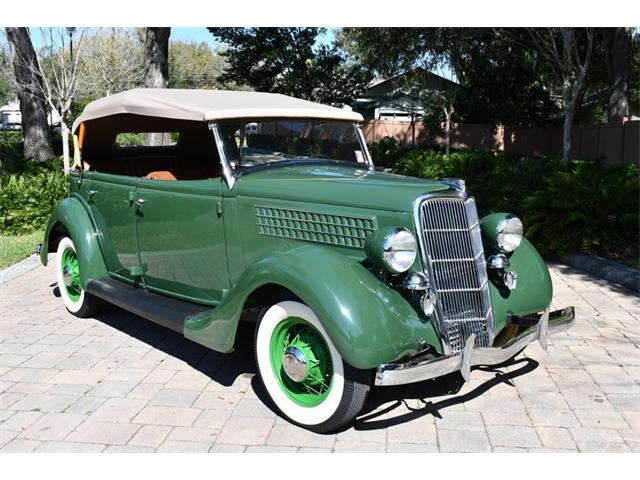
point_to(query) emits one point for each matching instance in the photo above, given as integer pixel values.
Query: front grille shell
(453, 258)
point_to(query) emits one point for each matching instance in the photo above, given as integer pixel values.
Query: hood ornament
(456, 184)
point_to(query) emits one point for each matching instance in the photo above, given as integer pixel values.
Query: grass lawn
(15, 248)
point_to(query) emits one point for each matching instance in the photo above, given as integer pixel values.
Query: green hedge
(28, 195)
(586, 206)
(10, 148)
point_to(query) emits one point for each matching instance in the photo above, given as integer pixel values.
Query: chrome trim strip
(481, 265)
(417, 369)
(364, 147)
(226, 168)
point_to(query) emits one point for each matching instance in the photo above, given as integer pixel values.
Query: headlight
(395, 249)
(509, 234)
(399, 250)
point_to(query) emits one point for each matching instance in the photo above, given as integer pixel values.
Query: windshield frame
(231, 175)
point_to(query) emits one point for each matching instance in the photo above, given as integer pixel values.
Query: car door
(181, 238)
(110, 199)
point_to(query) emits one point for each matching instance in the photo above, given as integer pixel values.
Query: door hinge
(220, 209)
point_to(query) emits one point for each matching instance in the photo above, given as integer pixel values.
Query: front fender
(368, 322)
(534, 290)
(73, 217)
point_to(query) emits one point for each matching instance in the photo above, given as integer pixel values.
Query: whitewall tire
(302, 371)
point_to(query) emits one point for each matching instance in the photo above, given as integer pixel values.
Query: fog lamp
(498, 262)
(416, 281)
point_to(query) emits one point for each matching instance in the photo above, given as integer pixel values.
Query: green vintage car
(196, 208)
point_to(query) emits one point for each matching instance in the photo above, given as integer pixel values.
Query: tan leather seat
(160, 175)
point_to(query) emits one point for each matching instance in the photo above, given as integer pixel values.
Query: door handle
(91, 194)
(139, 201)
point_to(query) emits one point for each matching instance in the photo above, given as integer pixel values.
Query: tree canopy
(194, 65)
(500, 78)
(288, 61)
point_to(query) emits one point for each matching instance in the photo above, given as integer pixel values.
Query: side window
(151, 148)
(147, 139)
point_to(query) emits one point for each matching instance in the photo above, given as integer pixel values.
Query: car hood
(336, 185)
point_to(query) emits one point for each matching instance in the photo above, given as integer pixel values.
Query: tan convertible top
(209, 105)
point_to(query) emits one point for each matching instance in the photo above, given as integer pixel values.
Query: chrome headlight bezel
(394, 249)
(399, 250)
(509, 233)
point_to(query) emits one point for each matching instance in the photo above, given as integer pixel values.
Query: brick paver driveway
(120, 383)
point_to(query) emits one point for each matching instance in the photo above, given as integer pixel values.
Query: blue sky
(201, 34)
(192, 34)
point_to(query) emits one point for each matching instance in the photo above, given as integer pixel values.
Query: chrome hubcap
(294, 364)
(66, 276)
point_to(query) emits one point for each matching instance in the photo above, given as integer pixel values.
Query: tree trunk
(574, 77)
(35, 129)
(413, 130)
(156, 57)
(617, 47)
(568, 122)
(448, 113)
(156, 69)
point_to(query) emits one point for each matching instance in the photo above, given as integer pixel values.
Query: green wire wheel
(301, 361)
(76, 300)
(71, 274)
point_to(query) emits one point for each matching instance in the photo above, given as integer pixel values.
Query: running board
(160, 309)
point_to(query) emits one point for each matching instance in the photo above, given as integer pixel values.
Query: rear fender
(70, 216)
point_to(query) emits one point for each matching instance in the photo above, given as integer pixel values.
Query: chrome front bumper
(417, 369)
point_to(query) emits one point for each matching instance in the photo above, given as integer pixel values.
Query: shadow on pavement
(422, 391)
(224, 369)
(220, 367)
(585, 276)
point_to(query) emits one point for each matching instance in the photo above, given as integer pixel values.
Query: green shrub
(387, 152)
(11, 146)
(585, 206)
(588, 207)
(27, 197)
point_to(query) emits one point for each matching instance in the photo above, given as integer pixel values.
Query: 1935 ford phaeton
(191, 208)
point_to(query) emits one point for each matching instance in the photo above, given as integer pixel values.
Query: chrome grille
(454, 259)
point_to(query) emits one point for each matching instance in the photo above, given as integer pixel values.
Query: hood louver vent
(340, 230)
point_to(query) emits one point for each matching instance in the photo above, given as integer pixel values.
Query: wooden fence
(617, 143)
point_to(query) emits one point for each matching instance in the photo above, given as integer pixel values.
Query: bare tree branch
(569, 61)
(57, 68)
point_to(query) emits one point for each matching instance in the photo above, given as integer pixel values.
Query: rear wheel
(302, 371)
(77, 301)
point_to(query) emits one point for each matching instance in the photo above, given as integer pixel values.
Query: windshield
(249, 144)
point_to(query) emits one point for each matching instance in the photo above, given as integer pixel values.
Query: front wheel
(302, 371)
(77, 301)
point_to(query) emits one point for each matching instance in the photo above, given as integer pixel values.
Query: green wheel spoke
(70, 263)
(304, 337)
